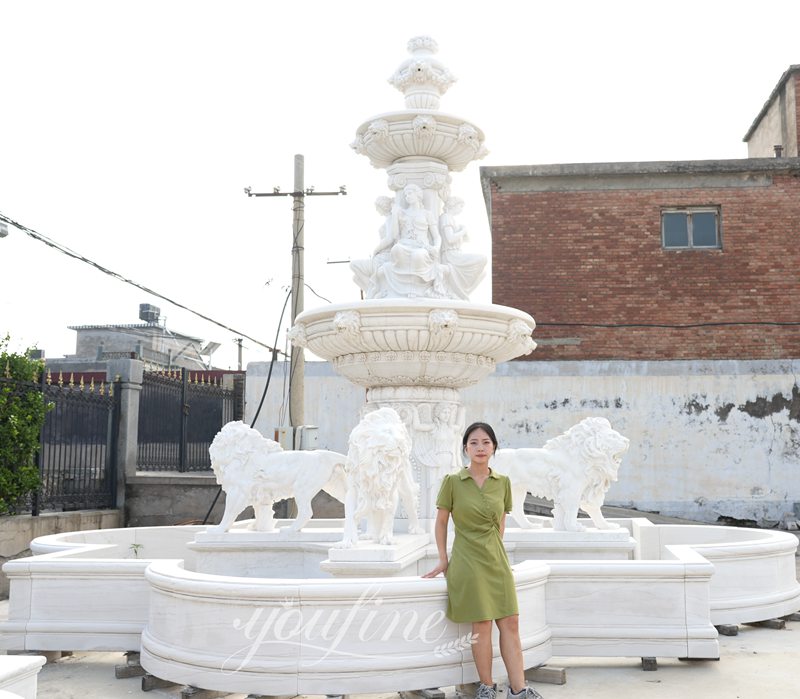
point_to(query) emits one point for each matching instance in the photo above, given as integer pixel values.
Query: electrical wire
(77, 256)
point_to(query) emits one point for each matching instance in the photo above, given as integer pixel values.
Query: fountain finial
(422, 78)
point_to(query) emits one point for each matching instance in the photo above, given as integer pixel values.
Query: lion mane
(254, 470)
(378, 477)
(575, 470)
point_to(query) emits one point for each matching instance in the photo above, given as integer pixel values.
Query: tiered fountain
(282, 612)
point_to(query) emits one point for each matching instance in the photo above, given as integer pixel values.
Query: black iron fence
(180, 412)
(77, 454)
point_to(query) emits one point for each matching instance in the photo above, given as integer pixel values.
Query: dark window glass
(676, 230)
(704, 229)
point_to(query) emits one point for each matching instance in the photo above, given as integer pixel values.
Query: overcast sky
(128, 131)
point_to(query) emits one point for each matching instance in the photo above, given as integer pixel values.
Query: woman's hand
(441, 568)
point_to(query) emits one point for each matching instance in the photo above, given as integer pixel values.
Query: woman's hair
(479, 426)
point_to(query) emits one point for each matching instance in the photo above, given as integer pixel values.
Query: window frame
(689, 211)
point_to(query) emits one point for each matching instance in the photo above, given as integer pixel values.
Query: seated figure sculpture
(254, 470)
(574, 470)
(405, 264)
(378, 478)
(463, 270)
(366, 273)
(418, 254)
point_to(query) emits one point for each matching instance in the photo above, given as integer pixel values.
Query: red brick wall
(595, 257)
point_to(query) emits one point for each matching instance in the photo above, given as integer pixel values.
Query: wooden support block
(468, 690)
(547, 674)
(792, 617)
(123, 672)
(649, 664)
(432, 693)
(189, 692)
(769, 624)
(728, 630)
(151, 682)
(132, 657)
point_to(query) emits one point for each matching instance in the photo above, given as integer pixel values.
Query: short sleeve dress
(480, 585)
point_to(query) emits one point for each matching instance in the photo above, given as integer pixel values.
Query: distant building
(152, 342)
(776, 129)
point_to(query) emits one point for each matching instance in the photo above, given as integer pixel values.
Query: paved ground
(759, 663)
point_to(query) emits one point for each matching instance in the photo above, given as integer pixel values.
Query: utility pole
(297, 361)
(238, 342)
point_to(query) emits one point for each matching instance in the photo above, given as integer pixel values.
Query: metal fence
(77, 454)
(180, 412)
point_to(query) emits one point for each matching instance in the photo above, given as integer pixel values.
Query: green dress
(480, 585)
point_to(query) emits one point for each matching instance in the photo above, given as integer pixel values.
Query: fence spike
(8, 370)
(49, 379)
(91, 385)
(72, 379)
(102, 390)
(81, 383)
(60, 379)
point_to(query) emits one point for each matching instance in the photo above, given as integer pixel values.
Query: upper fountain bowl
(407, 342)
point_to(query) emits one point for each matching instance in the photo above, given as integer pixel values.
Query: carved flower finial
(422, 78)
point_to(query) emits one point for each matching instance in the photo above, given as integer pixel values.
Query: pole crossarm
(297, 360)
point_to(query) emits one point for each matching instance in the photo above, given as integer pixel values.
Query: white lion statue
(254, 470)
(378, 477)
(574, 470)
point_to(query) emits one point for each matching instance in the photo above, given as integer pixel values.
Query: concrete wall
(16, 532)
(779, 123)
(710, 440)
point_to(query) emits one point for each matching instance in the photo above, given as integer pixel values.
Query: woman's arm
(440, 529)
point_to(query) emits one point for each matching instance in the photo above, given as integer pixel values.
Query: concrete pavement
(758, 663)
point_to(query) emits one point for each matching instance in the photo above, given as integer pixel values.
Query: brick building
(658, 260)
(667, 299)
(664, 260)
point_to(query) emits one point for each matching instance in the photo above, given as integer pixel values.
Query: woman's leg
(482, 650)
(511, 650)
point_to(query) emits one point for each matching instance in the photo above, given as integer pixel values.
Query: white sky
(128, 131)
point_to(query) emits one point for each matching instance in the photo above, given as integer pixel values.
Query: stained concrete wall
(709, 439)
(16, 532)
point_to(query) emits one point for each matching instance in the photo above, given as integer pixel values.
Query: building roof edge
(788, 72)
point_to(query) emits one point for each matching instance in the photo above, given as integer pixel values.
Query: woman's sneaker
(486, 692)
(526, 693)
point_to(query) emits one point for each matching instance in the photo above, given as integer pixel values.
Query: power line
(77, 256)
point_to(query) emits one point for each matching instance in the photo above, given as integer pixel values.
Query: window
(690, 228)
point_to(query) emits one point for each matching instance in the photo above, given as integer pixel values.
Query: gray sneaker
(486, 692)
(527, 693)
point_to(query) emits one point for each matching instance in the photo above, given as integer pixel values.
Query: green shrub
(22, 411)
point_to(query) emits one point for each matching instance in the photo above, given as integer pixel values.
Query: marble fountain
(304, 607)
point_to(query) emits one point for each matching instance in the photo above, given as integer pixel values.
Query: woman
(480, 585)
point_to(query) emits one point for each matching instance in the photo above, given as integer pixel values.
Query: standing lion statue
(574, 470)
(254, 470)
(378, 478)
